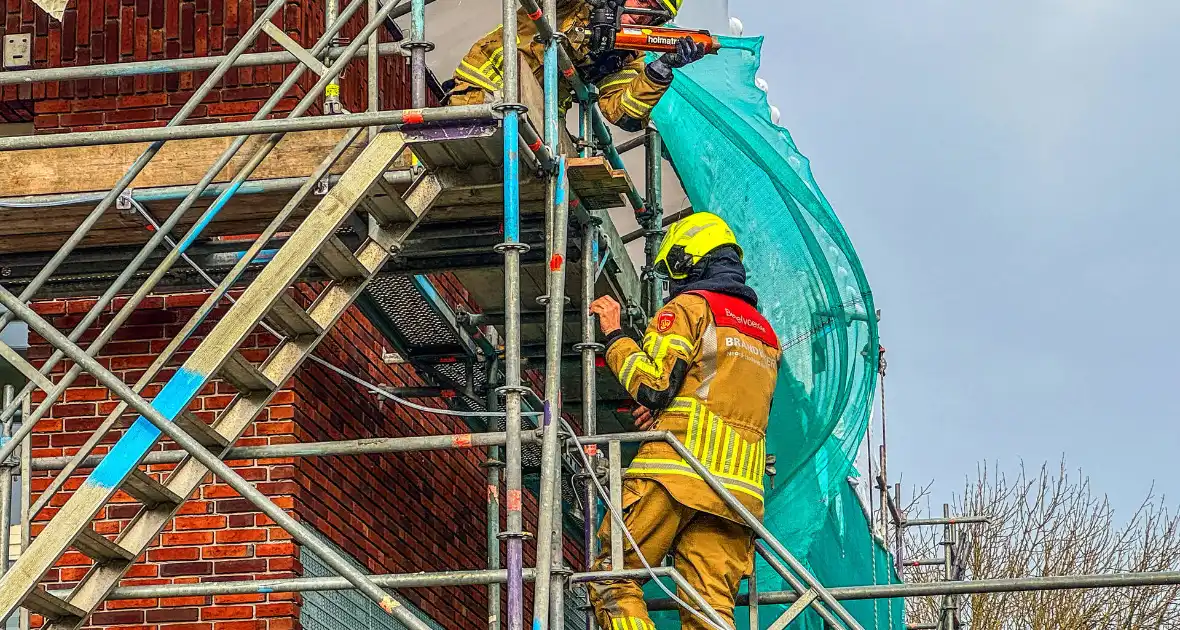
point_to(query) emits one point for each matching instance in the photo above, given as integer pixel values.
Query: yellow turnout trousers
(712, 553)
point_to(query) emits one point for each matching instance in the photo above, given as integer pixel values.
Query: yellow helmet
(673, 6)
(691, 239)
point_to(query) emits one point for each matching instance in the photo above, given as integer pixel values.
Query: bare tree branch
(1044, 523)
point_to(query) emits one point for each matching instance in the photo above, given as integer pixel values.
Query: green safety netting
(735, 162)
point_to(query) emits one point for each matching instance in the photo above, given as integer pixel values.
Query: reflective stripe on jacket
(707, 367)
(626, 94)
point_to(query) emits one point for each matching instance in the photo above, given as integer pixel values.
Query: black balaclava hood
(720, 271)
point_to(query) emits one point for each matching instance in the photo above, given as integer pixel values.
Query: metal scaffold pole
(549, 590)
(109, 330)
(372, 68)
(172, 66)
(512, 248)
(418, 48)
(6, 467)
(968, 587)
(494, 464)
(157, 238)
(332, 103)
(589, 349)
(653, 220)
(26, 498)
(301, 533)
(141, 162)
(221, 130)
(946, 616)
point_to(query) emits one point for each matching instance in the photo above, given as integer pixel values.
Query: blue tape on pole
(512, 177)
(562, 193)
(602, 265)
(263, 256)
(551, 123)
(208, 217)
(142, 436)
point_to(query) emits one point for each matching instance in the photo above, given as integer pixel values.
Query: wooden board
(180, 162)
(599, 186)
(50, 227)
(56, 172)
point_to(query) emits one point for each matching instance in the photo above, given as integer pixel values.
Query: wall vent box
(18, 50)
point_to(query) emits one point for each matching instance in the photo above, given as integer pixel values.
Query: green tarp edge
(734, 161)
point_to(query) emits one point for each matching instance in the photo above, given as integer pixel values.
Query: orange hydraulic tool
(662, 39)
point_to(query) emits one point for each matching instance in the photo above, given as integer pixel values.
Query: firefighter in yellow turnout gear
(628, 87)
(706, 372)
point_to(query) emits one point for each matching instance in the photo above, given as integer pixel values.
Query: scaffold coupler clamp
(504, 390)
(646, 217)
(635, 314)
(502, 248)
(647, 273)
(598, 464)
(124, 200)
(511, 535)
(558, 36)
(13, 460)
(412, 44)
(543, 300)
(508, 108)
(564, 572)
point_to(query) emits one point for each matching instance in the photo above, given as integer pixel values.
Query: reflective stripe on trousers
(739, 464)
(630, 623)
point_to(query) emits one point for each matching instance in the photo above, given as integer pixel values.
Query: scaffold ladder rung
(101, 548)
(291, 319)
(244, 375)
(314, 242)
(203, 433)
(339, 262)
(145, 489)
(388, 207)
(53, 607)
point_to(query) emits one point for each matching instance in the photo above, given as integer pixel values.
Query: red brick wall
(15, 104)
(219, 535)
(111, 31)
(403, 512)
(394, 513)
(393, 71)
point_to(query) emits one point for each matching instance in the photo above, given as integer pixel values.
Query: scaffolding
(417, 190)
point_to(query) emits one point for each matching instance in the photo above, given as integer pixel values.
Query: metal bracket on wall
(321, 187)
(123, 201)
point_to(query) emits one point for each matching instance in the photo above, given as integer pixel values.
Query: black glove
(687, 51)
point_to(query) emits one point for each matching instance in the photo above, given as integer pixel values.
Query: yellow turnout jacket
(626, 93)
(707, 367)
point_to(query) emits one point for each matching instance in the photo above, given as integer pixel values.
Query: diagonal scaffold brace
(298, 531)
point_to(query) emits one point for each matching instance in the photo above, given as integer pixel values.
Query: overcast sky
(1006, 170)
